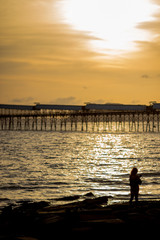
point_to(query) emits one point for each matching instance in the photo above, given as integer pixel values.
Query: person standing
(135, 181)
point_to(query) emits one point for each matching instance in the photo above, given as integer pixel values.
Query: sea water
(46, 165)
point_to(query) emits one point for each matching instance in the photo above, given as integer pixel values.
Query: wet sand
(86, 215)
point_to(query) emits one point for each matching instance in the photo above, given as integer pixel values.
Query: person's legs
(136, 196)
(132, 196)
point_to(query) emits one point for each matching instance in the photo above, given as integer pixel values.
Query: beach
(83, 215)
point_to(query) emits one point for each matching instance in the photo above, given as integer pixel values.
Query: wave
(4, 199)
(30, 188)
(151, 174)
(106, 181)
(147, 174)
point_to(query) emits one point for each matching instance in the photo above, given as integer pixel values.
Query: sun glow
(112, 23)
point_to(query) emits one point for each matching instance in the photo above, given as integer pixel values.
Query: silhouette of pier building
(90, 117)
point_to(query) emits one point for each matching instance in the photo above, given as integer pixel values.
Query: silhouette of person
(135, 181)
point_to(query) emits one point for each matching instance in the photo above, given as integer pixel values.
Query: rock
(90, 194)
(95, 201)
(75, 197)
(68, 198)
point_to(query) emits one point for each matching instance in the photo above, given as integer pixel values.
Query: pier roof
(58, 107)
(16, 107)
(116, 107)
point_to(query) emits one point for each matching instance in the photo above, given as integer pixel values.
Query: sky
(76, 51)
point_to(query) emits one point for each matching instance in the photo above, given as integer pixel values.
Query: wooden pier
(34, 118)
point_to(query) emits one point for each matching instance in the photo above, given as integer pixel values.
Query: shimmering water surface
(49, 165)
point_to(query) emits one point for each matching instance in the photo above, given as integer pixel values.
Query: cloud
(14, 67)
(135, 101)
(154, 25)
(97, 101)
(22, 12)
(145, 76)
(66, 100)
(49, 48)
(151, 26)
(156, 2)
(84, 87)
(151, 48)
(29, 100)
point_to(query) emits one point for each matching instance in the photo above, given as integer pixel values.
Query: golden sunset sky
(76, 51)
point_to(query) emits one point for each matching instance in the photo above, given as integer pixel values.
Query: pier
(87, 118)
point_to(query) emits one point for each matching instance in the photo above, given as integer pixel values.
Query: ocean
(47, 165)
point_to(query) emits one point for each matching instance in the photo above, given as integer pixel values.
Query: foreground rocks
(91, 215)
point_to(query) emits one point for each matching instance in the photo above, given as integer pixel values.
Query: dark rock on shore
(75, 197)
(41, 220)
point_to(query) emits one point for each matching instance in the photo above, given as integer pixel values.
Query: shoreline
(41, 220)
